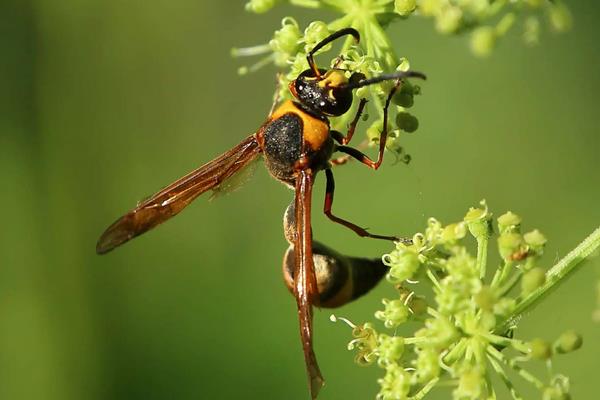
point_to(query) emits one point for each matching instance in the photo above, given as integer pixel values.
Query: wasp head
(328, 93)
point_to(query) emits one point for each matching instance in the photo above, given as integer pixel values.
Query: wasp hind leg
(362, 232)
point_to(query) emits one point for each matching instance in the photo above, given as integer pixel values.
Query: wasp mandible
(296, 142)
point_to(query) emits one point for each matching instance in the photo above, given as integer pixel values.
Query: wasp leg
(382, 138)
(341, 139)
(330, 188)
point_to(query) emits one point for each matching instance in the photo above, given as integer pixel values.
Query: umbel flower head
(486, 21)
(466, 329)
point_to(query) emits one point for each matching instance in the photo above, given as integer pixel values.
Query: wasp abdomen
(340, 279)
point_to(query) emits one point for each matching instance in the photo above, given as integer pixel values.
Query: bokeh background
(104, 102)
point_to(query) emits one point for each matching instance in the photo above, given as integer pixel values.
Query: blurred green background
(104, 102)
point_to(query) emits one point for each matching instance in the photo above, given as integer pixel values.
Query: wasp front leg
(339, 137)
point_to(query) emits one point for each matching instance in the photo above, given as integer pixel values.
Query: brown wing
(305, 284)
(175, 197)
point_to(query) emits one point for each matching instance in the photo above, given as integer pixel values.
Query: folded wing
(175, 197)
(305, 284)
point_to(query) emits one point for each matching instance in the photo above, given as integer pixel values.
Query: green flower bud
(505, 24)
(536, 241)
(286, 40)
(363, 92)
(531, 32)
(434, 230)
(390, 349)
(441, 332)
(533, 280)
(449, 20)
(479, 221)
(403, 65)
(471, 384)
(510, 246)
(405, 7)
(395, 313)
(453, 232)
(540, 349)
(451, 301)
(429, 8)
(509, 222)
(567, 342)
(560, 16)
(483, 41)
(404, 97)
(395, 385)
(365, 343)
(260, 6)
(427, 365)
(461, 267)
(314, 33)
(407, 122)
(403, 265)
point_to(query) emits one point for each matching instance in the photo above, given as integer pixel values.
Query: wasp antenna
(384, 77)
(324, 42)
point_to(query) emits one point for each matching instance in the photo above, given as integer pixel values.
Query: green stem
(482, 250)
(250, 51)
(554, 276)
(306, 3)
(514, 279)
(426, 389)
(495, 354)
(505, 379)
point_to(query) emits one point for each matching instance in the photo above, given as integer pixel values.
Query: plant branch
(554, 277)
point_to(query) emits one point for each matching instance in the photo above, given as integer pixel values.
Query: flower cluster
(485, 20)
(467, 325)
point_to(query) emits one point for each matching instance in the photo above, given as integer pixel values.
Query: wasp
(296, 142)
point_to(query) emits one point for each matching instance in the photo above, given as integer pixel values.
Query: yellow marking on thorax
(314, 131)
